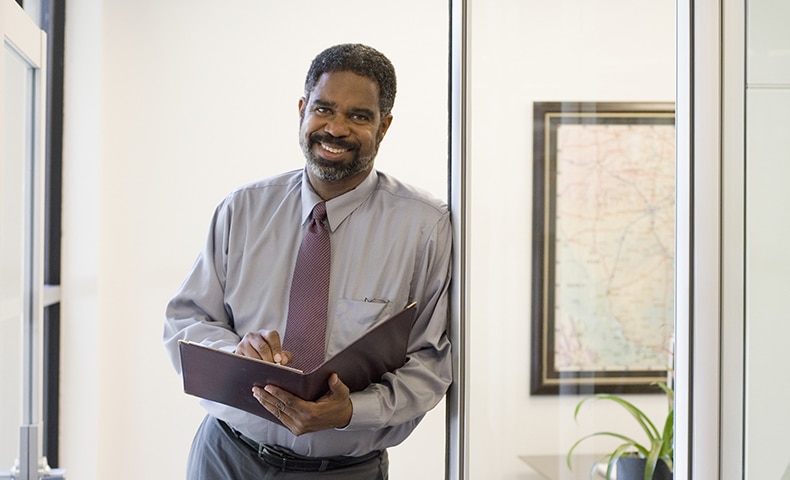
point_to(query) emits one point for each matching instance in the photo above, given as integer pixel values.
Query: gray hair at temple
(360, 59)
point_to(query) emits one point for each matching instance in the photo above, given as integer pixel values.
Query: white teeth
(332, 149)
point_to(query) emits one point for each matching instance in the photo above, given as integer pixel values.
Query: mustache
(330, 140)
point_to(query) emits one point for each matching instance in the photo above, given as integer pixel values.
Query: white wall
(526, 51)
(767, 227)
(169, 106)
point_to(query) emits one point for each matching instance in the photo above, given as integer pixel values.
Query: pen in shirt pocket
(376, 300)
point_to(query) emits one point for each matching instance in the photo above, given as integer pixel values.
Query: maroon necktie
(307, 304)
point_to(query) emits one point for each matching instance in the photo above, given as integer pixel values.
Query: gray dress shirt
(391, 245)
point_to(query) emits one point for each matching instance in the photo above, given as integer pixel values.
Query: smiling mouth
(332, 149)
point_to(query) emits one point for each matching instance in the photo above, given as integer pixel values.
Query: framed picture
(603, 247)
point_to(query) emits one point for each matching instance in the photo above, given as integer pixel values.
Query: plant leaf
(628, 441)
(667, 452)
(670, 395)
(660, 442)
(642, 419)
(618, 452)
(652, 459)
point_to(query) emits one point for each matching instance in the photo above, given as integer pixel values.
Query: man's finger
(272, 338)
(271, 403)
(263, 344)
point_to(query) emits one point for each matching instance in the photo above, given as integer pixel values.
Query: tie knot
(319, 212)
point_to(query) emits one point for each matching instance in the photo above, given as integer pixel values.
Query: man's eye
(322, 110)
(360, 118)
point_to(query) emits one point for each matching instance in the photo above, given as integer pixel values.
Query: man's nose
(337, 126)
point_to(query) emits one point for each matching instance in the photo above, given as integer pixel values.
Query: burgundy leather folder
(228, 378)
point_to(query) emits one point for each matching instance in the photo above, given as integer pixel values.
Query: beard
(329, 171)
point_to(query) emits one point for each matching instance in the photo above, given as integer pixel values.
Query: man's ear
(385, 125)
(302, 106)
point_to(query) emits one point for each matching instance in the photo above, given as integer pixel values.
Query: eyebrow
(324, 103)
(358, 110)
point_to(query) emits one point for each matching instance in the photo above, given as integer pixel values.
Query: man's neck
(329, 190)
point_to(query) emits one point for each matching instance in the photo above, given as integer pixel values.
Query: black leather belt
(288, 461)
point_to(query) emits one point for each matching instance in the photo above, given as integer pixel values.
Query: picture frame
(602, 247)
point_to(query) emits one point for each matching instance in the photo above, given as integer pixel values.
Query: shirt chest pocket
(353, 318)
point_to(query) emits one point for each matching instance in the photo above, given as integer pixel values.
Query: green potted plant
(654, 456)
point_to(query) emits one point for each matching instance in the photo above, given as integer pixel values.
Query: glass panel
(767, 393)
(605, 198)
(246, 39)
(767, 284)
(17, 97)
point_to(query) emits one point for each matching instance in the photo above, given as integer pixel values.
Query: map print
(614, 247)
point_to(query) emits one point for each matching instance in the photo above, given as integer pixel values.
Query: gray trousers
(217, 454)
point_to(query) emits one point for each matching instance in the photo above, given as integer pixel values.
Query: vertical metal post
(458, 396)
(683, 238)
(28, 460)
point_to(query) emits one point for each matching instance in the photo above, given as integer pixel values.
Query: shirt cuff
(366, 414)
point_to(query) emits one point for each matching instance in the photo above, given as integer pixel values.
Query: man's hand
(263, 345)
(333, 410)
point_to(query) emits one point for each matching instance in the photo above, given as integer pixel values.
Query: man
(390, 246)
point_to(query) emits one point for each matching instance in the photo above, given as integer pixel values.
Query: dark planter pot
(633, 468)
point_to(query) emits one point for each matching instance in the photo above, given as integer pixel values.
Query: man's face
(341, 126)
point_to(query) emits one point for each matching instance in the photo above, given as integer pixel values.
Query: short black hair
(361, 60)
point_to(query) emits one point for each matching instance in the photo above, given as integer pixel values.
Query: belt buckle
(287, 461)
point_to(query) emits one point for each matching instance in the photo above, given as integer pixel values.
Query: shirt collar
(338, 208)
